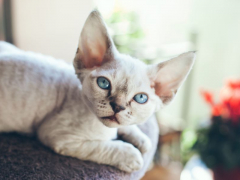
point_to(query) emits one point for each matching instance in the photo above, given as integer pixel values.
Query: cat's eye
(140, 98)
(103, 83)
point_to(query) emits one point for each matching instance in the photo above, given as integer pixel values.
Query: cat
(79, 110)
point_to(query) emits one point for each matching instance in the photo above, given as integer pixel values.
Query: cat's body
(42, 95)
(40, 87)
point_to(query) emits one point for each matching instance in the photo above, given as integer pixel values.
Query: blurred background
(153, 31)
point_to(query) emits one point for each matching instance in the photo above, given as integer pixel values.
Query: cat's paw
(132, 159)
(144, 144)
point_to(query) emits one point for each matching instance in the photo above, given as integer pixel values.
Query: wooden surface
(162, 173)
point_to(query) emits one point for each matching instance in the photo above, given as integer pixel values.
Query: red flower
(229, 105)
(208, 97)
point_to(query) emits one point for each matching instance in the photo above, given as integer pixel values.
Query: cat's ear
(168, 76)
(95, 45)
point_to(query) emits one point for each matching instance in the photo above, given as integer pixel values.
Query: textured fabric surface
(24, 157)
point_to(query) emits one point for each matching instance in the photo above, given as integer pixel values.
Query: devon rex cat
(79, 116)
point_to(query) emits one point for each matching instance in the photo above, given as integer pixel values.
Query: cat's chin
(112, 118)
(110, 121)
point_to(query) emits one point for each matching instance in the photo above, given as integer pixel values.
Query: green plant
(188, 138)
(127, 32)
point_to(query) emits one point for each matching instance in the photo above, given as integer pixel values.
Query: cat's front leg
(119, 154)
(135, 136)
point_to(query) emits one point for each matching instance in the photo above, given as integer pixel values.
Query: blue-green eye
(141, 98)
(103, 83)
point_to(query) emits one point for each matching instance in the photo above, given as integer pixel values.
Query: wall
(217, 24)
(49, 26)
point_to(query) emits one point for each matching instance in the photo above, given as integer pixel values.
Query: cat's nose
(116, 108)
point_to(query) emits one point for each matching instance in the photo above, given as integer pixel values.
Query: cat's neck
(86, 124)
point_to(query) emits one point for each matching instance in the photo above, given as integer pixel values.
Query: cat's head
(121, 90)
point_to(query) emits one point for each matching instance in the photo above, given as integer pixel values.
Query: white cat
(81, 119)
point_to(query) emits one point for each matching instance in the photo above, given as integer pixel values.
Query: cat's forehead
(125, 73)
(125, 68)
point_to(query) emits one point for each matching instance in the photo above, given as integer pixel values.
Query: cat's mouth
(111, 118)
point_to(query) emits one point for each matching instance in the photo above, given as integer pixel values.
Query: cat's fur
(43, 95)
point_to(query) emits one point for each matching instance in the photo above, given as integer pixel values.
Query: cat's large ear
(168, 76)
(95, 45)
